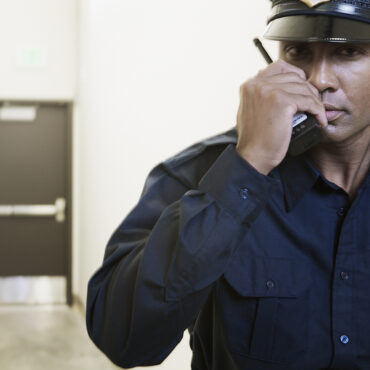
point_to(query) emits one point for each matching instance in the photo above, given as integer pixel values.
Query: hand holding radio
(269, 104)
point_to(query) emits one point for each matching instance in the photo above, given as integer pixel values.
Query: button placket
(344, 335)
(341, 212)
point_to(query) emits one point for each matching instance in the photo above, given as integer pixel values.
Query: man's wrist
(256, 160)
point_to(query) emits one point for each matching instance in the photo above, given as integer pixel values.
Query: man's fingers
(309, 104)
(294, 78)
(281, 67)
(290, 88)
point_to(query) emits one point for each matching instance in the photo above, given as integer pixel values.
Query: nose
(321, 74)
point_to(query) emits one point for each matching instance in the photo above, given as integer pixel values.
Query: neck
(345, 164)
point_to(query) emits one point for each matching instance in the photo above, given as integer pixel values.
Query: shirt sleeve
(161, 263)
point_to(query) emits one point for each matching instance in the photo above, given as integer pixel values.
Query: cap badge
(312, 3)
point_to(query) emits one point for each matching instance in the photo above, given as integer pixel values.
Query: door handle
(36, 210)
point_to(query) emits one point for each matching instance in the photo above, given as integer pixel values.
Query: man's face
(341, 72)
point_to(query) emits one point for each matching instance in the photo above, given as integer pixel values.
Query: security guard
(263, 256)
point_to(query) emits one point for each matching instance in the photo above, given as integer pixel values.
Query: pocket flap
(253, 276)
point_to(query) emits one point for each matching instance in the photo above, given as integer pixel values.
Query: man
(265, 257)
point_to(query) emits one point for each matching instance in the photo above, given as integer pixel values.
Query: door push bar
(35, 210)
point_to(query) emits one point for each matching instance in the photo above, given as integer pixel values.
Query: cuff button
(243, 192)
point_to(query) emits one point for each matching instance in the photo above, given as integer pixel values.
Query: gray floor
(47, 337)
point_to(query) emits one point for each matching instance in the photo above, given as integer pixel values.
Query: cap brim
(317, 28)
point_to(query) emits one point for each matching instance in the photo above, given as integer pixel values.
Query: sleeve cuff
(237, 186)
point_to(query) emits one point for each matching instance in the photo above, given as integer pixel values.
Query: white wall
(38, 49)
(155, 76)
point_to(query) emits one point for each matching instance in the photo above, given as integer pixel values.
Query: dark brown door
(34, 181)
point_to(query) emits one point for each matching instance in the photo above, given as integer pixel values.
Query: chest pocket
(264, 307)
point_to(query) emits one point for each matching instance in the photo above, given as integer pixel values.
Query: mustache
(332, 107)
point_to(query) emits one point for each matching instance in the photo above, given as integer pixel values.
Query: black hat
(319, 21)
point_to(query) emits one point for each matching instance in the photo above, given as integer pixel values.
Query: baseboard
(78, 305)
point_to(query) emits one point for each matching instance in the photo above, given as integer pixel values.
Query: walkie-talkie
(306, 132)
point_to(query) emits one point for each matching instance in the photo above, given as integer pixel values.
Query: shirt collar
(298, 176)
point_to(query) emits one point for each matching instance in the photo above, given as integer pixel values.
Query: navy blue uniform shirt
(266, 272)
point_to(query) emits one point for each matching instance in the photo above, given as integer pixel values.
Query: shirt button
(270, 284)
(344, 275)
(340, 212)
(243, 192)
(344, 339)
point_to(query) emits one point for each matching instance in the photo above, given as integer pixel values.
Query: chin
(336, 134)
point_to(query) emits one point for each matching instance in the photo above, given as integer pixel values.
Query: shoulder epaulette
(228, 137)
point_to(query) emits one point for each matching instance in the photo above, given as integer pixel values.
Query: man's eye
(350, 52)
(295, 52)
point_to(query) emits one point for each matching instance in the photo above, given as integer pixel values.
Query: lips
(332, 112)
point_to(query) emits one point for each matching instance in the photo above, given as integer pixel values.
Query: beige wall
(154, 76)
